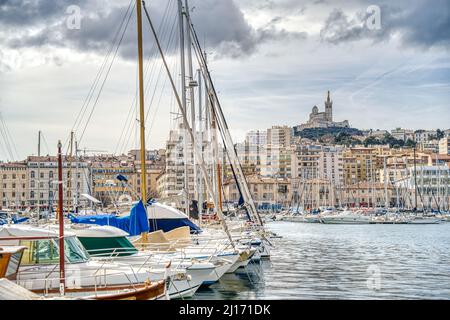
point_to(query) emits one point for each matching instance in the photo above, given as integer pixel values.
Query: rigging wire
(151, 63)
(82, 112)
(158, 105)
(150, 81)
(7, 139)
(106, 77)
(45, 143)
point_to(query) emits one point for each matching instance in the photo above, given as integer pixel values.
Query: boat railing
(95, 280)
(113, 255)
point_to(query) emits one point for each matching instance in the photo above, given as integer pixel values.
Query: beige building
(105, 186)
(267, 193)
(444, 146)
(367, 195)
(279, 136)
(170, 184)
(277, 161)
(318, 162)
(43, 181)
(14, 185)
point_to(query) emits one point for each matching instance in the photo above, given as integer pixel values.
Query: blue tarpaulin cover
(134, 224)
(138, 219)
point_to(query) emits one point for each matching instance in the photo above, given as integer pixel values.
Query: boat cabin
(10, 259)
(42, 245)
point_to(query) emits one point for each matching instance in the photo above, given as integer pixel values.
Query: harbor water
(317, 261)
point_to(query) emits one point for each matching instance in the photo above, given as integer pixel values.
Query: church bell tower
(329, 108)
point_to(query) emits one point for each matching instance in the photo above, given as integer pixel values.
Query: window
(47, 251)
(50, 174)
(32, 174)
(39, 251)
(32, 194)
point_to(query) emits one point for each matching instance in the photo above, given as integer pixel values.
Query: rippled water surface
(316, 261)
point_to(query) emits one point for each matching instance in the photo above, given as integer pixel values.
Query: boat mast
(39, 175)
(141, 103)
(69, 173)
(386, 202)
(200, 145)
(415, 177)
(191, 96)
(62, 276)
(76, 178)
(189, 130)
(183, 101)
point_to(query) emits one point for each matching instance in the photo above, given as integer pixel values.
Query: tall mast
(183, 101)
(191, 92)
(141, 103)
(39, 175)
(200, 144)
(75, 204)
(386, 203)
(189, 131)
(69, 173)
(415, 178)
(62, 276)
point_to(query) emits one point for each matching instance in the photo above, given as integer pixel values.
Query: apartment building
(43, 181)
(14, 185)
(267, 192)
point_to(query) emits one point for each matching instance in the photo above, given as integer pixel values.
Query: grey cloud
(19, 13)
(419, 24)
(220, 24)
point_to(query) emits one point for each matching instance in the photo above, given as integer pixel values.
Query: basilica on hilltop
(323, 119)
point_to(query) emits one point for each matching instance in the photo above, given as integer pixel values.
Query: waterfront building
(171, 183)
(430, 183)
(267, 192)
(14, 185)
(154, 170)
(43, 181)
(367, 195)
(104, 183)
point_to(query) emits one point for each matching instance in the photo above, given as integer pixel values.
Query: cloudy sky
(272, 61)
